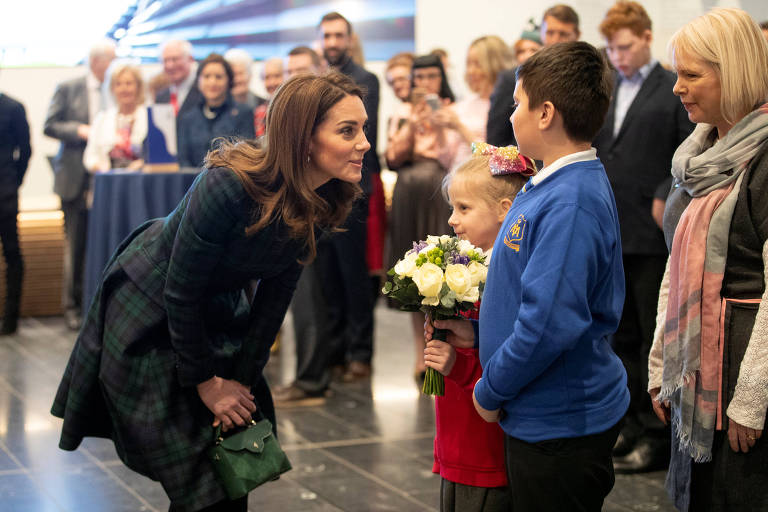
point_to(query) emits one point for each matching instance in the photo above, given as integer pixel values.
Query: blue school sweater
(554, 294)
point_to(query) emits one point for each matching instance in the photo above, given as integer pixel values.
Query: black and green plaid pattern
(171, 312)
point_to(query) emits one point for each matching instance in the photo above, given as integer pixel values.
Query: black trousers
(308, 310)
(9, 236)
(76, 228)
(573, 474)
(633, 338)
(333, 305)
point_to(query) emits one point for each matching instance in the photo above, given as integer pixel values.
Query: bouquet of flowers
(443, 277)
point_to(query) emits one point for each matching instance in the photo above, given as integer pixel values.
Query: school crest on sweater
(515, 234)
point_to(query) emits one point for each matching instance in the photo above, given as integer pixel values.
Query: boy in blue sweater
(554, 294)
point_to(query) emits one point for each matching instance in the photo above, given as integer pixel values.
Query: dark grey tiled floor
(368, 449)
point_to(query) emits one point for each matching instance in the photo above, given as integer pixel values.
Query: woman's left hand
(742, 438)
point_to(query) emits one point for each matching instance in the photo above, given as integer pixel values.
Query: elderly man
(70, 113)
(241, 62)
(177, 59)
(272, 75)
(559, 24)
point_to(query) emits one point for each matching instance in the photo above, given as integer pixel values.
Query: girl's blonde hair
(492, 189)
(732, 43)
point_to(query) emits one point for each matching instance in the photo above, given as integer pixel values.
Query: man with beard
(350, 255)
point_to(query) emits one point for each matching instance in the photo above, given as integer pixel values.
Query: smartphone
(433, 101)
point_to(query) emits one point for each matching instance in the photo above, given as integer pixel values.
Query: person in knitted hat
(529, 42)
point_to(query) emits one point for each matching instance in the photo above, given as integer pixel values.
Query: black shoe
(7, 329)
(648, 455)
(624, 445)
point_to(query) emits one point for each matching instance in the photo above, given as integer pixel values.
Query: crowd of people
(623, 326)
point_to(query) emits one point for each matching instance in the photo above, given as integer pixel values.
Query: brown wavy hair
(275, 174)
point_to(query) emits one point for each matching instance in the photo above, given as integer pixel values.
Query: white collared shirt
(184, 87)
(581, 156)
(95, 91)
(626, 93)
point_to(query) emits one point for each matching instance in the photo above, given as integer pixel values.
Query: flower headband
(505, 160)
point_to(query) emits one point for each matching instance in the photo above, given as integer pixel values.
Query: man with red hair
(645, 124)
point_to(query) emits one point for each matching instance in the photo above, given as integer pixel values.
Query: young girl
(469, 452)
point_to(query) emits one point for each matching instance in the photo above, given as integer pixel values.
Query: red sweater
(468, 450)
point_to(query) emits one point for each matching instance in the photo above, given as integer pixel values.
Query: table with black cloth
(122, 201)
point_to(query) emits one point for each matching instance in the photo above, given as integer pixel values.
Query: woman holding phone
(420, 150)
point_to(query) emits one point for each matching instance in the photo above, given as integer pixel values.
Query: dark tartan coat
(172, 311)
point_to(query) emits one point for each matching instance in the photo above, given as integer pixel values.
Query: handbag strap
(217, 439)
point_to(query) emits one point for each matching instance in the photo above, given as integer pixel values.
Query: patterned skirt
(120, 383)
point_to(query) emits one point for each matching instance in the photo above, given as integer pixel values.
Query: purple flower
(417, 247)
(458, 259)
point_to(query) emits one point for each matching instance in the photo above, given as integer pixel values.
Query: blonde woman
(117, 134)
(487, 56)
(708, 367)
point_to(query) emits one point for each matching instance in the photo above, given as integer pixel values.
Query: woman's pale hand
(440, 355)
(742, 438)
(660, 408)
(489, 416)
(230, 402)
(460, 331)
(445, 117)
(136, 165)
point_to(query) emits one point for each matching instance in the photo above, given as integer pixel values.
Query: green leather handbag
(247, 459)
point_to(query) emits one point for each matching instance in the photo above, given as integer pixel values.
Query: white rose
(444, 239)
(430, 301)
(429, 280)
(473, 295)
(464, 247)
(478, 271)
(406, 266)
(458, 278)
(432, 239)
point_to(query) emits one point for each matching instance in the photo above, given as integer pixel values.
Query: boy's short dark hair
(576, 79)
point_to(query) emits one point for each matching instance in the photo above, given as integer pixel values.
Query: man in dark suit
(178, 61)
(645, 124)
(73, 107)
(337, 286)
(14, 157)
(343, 268)
(559, 24)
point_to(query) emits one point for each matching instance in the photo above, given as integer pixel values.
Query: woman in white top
(117, 134)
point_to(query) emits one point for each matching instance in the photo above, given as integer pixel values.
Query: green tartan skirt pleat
(120, 383)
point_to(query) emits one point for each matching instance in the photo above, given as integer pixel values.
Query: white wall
(450, 24)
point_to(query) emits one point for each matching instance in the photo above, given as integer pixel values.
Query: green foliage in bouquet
(443, 277)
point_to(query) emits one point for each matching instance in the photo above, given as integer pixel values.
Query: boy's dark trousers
(574, 474)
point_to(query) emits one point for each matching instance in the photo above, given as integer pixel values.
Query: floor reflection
(368, 448)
